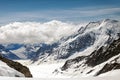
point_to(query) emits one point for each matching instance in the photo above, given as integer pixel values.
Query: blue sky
(64, 10)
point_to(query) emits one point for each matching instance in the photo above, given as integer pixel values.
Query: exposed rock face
(70, 62)
(109, 67)
(104, 54)
(17, 66)
(79, 44)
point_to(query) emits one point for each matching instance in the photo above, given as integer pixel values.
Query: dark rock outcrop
(17, 66)
(109, 67)
(70, 62)
(103, 54)
(80, 44)
(97, 57)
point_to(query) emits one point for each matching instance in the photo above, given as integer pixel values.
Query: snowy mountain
(104, 59)
(5, 70)
(83, 42)
(26, 51)
(86, 39)
(91, 51)
(19, 51)
(88, 51)
(7, 53)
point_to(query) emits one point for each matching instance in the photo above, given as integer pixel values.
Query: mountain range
(91, 50)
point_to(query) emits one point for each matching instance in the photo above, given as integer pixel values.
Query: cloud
(34, 32)
(48, 32)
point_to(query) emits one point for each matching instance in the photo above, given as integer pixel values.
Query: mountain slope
(100, 61)
(7, 53)
(14, 69)
(87, 39)
(5, 70)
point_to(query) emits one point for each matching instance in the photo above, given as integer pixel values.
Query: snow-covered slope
(19, 51)
(100, 61)
(7, 53)
(5, 70)
(110, 77)
(26, 51)
(13, 69)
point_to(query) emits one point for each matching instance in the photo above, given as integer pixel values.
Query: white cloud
(33, 32)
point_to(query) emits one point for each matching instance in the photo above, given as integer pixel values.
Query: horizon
(75, 11)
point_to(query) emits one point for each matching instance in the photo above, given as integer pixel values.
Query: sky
(63, 10)
(47, 21)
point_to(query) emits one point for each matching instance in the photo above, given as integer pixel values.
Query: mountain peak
(110, 20)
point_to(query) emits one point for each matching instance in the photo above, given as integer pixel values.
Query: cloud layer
(33, 32)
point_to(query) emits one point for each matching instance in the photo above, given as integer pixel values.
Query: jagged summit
(110, 20)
